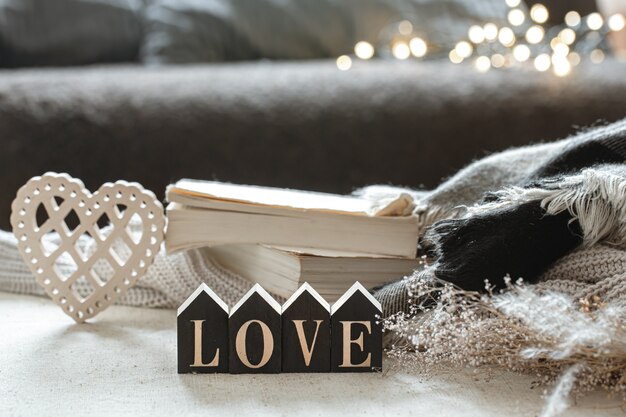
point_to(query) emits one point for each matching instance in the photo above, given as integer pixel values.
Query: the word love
(258, 335)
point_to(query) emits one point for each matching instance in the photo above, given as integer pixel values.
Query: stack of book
(282, 238)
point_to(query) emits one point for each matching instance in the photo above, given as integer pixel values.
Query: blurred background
(326, 95)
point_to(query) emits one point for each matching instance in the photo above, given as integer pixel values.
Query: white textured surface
(124, 363)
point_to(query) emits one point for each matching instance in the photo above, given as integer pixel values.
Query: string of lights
(523, 40)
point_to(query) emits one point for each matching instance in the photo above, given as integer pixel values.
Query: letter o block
(255, 334)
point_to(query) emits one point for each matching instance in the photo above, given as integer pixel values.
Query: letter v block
(202, 326)
(255, 334)
(306, 332)
(356, 332)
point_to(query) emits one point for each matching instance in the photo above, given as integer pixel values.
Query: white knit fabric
(168, 283)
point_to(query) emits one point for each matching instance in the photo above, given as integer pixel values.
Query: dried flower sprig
(577, 345)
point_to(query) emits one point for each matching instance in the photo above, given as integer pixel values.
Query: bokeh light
(596, 56)
(521, 53)
(364, 50)
(401, 50)
(595, 21)
(344, 62)
(491, 31)
(534, 34)
(560, 65)
(506, 36)
(539, 13)
(464, 49)
(542, 62)
(567, 36)
(476, 34)
(516, 17)
(482, 64)
(405, 27)
(617, 22)
(572, 18)
(497, 60)
(454, 57)
(418, 47)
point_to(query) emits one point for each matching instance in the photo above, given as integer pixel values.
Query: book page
(327, 253)
(279, 197)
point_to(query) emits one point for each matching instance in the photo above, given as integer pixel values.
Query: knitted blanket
(553, 214)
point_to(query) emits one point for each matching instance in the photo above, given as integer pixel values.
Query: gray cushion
(68, 32)
(183, 31)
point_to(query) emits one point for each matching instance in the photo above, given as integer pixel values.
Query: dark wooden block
(356, 332)
(306, 332)
(202, 327)
(255, 334)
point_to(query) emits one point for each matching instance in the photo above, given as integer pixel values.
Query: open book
(206, 213)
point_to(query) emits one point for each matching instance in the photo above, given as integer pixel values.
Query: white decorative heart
(60, 203)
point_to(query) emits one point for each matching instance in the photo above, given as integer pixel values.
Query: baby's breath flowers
(577, 345)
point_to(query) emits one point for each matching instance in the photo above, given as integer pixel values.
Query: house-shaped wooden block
(306, 332)
(202, 327)
(255, 333)
(356, 332)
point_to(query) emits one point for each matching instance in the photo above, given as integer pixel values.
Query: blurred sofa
(301, 124)
(291, 124)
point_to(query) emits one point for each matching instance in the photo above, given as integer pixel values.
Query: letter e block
(255, 333)
(202, 327)
(306, 332)
(356, 332)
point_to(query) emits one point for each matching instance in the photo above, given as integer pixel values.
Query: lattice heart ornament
(85, 249)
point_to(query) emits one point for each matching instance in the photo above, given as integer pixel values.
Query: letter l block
(202, 333)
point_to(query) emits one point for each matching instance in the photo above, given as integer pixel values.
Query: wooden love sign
(259, 336)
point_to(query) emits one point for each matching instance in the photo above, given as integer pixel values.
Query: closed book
(282, 270)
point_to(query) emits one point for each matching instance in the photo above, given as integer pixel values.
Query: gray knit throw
(552, 214)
